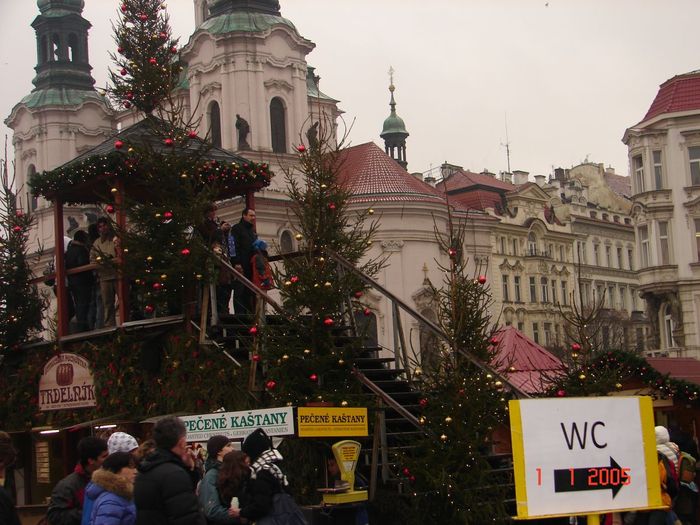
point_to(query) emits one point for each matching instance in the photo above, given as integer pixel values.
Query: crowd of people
(119, 482)
(92, 292)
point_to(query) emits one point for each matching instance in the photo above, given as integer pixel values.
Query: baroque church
(246, 65)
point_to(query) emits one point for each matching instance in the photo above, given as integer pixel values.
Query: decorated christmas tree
(310, 361)
(447, 473)
(21, 305)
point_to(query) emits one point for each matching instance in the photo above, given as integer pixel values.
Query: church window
(644, 244)
(638, 170)
(429, 347)
(694, 158)
(531, 243)
(668, 327)
(215, 124)
(286, 242)
(73, 53)
(278, 126)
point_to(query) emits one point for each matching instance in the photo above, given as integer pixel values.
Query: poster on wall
(66, 383)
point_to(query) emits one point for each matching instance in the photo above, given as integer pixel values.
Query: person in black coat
(244, 236)
(80, 284)
(164, 491)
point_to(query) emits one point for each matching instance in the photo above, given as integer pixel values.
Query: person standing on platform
(244, 236)
(80, 284)
(103, 252)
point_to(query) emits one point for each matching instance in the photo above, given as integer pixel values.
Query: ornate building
(664, 154)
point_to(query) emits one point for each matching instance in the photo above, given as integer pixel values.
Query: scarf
(267, 462)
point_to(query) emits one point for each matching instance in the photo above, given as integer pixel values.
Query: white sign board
(237, 425)
(584, 455)
(66, 383)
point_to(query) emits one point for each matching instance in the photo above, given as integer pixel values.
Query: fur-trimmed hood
(104, 480)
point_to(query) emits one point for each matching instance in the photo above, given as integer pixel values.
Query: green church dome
(393, 124)
(60, 7)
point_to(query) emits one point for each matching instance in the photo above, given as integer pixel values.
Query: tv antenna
(507, 144)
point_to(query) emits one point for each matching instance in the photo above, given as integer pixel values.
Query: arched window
(367, 328)
(429, 344)
(73, 52)
(32, 201)
(55, 47)
(531, 243)
(215, 124)
(668, 327)
(286, 242)
(43, 48)
(278, 126)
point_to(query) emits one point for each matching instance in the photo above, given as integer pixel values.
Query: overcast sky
(568, 76)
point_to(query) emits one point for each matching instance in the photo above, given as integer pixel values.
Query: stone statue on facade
(243, 129)
(312, 136)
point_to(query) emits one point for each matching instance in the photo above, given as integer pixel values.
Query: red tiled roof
(476, 199)
(372, 175)
(462, 180)
(523, 362)
(685, 368)
(680, 93)
(619, 184)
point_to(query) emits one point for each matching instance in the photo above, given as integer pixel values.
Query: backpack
(671, 475)
(262, 272)
(686, 468)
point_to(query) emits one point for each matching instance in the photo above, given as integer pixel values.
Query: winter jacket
(8, 512)
(113, 498)
(215, 511)
(77, 255)
(164, 492)
(67, 498)
(244, 236)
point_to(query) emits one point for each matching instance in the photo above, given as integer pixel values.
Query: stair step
(372, 363)
(391, 386)
(382, 374)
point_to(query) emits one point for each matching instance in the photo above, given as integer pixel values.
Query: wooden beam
(59, 263)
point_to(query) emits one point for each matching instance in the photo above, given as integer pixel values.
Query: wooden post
(204, 315)
(250, 199)
(122, 283)
(60, 269)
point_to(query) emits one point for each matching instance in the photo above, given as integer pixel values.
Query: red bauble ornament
(412, 479)
(119, 144)
(123, 72)
(120, 50)
(331, 206)
(493, 340)
(143, 17)
(124, 8)
(294, 279)
(482, 279)
(109, 208)
(452, 253)
(168, 215)
(313, 377)
(195, 355)
(576, 347)
(270, 385)
(561, 393)
(301, 148)
(152, 61)
(173, 50)
(163, 35)
(185, 251)
(127, 104)
(367, 312)
(19, 213)
(157, 286)
(256, 358)
(253, 330)
(328, 321)
(358, 294)
(192, 134)
(406, 471)
(130, 95)
(17, 229)
(149, 308)
(169, 142)
(423, 402)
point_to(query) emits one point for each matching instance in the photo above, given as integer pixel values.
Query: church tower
(64, 115)
(394, 131)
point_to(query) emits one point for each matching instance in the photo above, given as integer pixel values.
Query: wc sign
(584, 455)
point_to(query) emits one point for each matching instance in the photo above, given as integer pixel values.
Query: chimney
(448, 169)
(487, 173)
(507, 177)
(539, 180)
(429, 179)
(418, 175)
(560, 173)
(520, 177)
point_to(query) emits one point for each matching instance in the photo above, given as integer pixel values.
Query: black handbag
(284, 511)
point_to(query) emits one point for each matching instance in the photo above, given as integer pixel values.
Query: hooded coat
(665, 446)
(113, 498)
(164, 492)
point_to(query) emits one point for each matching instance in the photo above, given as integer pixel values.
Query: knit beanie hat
(215, 444)
(121, 442)
(256, 443)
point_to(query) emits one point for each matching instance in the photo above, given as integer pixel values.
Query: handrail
(432, 327)
(395, 405)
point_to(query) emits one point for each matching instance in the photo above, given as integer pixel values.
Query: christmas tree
(447, 472)
(310, 361)
(21, 305)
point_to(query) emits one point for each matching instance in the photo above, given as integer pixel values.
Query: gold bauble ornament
(370, 211)
(163, 277)
(343, 403)
(422, 420)
(149, 258)
(307, 351)
(582, 376)
(448, 419)
(285, 357)
(341, 362)
(618, 385)
(443, 437)
(327, 284)
(418, 372)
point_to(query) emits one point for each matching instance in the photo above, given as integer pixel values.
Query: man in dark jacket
(244, 236)
(80, 284)
(164, 491)
(66, 507)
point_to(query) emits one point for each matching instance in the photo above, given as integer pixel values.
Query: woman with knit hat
(8, 512)
(215, 511)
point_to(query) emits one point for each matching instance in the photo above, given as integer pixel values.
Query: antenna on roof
(507, 144)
